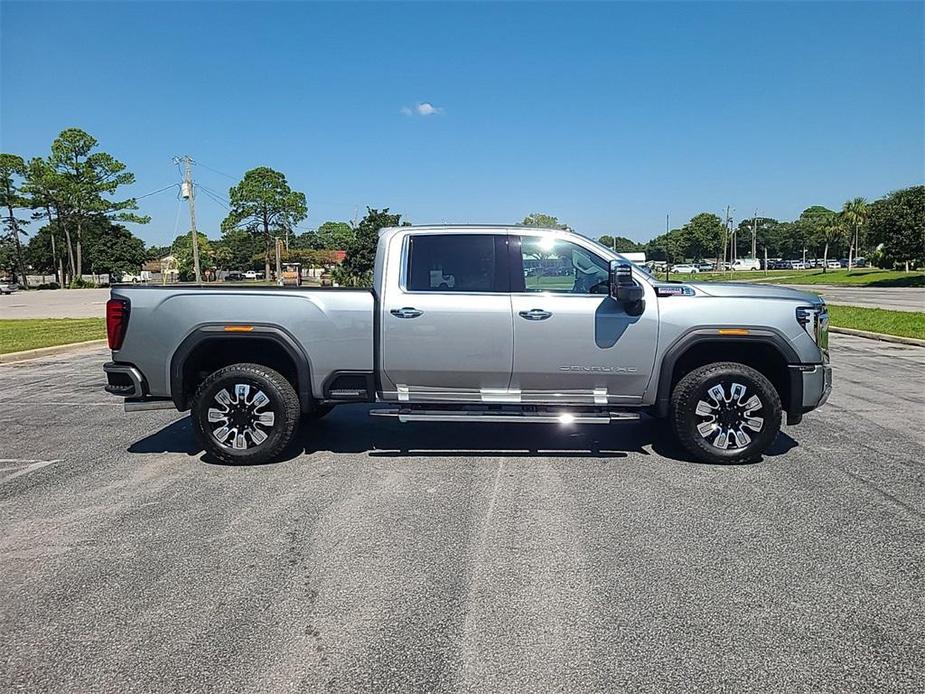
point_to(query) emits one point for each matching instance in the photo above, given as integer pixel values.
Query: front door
(572, 341)
(447, 332)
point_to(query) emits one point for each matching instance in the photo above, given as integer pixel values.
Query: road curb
(47, 351)
(878, 336)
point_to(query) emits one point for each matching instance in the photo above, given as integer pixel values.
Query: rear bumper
(124, 380)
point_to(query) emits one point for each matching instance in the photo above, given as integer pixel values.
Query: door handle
(535, 314)
(406, 312)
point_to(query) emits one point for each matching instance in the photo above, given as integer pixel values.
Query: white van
(746, 264)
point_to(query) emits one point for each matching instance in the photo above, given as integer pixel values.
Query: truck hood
(746, 290)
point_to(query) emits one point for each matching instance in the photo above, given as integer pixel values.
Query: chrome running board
(528, 417)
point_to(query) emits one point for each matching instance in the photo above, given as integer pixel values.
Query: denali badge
(601, 369)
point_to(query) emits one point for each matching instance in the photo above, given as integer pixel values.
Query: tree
(897, 224)
(13, 167)
(45, 188)
(335, 236)
(542, 221)
(767, 236)
(704, 236)
(84, 180)
(815, 230)
(182, 250)
(240, 249)
(155, 252)
(116, 252)
(357, 268)
(44, 254)
(830, 230)
(264, 205)
(620, 243)
(854, 213)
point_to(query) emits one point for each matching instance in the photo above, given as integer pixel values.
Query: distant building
(637, 257)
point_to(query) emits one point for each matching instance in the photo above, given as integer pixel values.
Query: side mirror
(623, 288)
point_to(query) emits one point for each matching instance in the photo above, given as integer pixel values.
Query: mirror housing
(623, 288)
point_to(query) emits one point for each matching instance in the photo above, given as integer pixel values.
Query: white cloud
(425, 108)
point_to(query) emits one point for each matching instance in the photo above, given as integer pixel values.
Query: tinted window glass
(454, 263)
(554, 265)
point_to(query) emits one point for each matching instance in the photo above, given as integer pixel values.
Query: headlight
(815, 321)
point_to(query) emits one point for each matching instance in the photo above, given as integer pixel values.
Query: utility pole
(187, 192)
(755, 235)
(667, 259)
(279, 267)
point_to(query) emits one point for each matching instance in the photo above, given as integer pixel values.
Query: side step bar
(538, 417)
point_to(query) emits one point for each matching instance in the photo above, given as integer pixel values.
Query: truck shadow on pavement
(350, 429)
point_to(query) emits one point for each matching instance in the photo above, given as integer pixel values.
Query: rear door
(447, 330)
(572, 341)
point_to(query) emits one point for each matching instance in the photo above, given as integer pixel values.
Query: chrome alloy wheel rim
(724, 421)
(240, 421)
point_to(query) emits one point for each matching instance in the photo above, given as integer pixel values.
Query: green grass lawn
(19, 335)
(729, 276)
(878, 320)
(864, 277)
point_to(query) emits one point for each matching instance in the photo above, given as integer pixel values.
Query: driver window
(556, 265)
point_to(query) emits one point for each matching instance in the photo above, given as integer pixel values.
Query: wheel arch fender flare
(702, 335)
(214, 332)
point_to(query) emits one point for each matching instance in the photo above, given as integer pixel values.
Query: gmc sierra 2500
(476, 324)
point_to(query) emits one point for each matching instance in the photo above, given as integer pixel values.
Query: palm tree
(832, 229)
(855, 215)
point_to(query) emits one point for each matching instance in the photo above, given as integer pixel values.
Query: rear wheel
(725, 413)
(245, 414)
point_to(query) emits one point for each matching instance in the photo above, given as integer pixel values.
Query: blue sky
(606, 115)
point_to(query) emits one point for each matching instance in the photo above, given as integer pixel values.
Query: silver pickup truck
(470, 324)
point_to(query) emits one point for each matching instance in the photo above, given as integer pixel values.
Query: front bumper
(817, 385)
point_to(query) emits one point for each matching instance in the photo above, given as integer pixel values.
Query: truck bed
(333, 325)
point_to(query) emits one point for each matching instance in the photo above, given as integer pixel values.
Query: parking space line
(31, 466)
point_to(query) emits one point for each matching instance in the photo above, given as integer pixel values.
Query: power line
(161, 190)
(220, 173)
(213, 196)
(214, 192)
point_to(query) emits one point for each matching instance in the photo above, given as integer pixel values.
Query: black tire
(732, 421)
(273, 437)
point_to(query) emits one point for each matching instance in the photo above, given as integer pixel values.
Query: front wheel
(725, 413)
(245, 414)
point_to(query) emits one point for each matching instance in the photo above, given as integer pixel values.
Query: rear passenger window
(457, 263)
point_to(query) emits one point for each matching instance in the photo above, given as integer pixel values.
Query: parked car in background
(860, 262)
(253, 275)
(833, 265)
(746, 264)
(134, 278)
(797, 265)
(685, 269)
(705, 267)
(234, 276)
(7, 286)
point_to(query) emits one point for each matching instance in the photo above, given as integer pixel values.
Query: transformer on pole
(188, 193)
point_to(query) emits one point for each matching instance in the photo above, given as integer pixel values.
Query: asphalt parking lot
(59, 303)
(484, 558)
